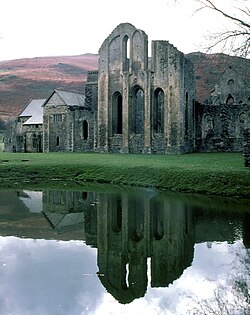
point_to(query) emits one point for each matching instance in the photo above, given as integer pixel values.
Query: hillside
(25, 79)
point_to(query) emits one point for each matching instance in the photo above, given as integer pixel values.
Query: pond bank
(204, 173)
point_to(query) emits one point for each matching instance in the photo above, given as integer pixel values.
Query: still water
(122, 251)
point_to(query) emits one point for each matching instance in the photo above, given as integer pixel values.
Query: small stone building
(68, 123)
(25, 133)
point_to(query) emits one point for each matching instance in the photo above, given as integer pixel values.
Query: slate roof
(71, 99)
(65, 221)
(34, 110)
(34, 120)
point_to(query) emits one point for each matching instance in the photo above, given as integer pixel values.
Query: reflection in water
(144, 239)
(127, 229)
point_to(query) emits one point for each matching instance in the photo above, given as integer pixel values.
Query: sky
(56, 277)
(37, 28)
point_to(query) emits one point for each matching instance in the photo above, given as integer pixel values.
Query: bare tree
(232, 297)
(236, 39)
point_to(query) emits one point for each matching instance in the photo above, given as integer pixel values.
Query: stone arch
(208, 126)
(230, 82)
(85, 130)
(115, 54)
(158, 111)
(137, 109)
(117, 109)
(242, 123)
(139, 51)
(230, 100)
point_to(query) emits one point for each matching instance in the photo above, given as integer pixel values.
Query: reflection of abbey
(143, 237)
(131, 105)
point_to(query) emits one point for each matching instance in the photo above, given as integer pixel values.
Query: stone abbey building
(136, 104)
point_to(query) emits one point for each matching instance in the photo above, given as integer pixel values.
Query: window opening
(85, 130)
(158, 111)
(117, 216)
(137, 111)
(126, 53)
(186, 114)
(57, 117)
(117, 114)
(230, 100)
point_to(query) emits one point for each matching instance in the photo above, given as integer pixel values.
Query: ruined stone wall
(221, 122)
(32, 138)
(91, 90)
(189, 107)
(12, 141)
(84, 130)
(122, 77)
(173, 76)
(23, 138)
(91, 101)
(220, 128)
(142, 110)
(246, 147)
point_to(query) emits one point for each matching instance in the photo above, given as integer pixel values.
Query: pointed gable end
(64, 98)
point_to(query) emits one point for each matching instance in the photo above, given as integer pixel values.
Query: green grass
(206, 173)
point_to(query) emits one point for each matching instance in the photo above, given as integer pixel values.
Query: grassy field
(205, 173)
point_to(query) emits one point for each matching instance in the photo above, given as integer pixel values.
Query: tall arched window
(117, 216)
(117, 113)
(57, 141)
(186, 113)
(136, 219)
(126, 53)
(158, 111)
(208, 126)
(157, 220)
(85, 130)
(242, 123)
(137, 111)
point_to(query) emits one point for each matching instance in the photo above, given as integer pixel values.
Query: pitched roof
(34, 120)
(71, 99)
(34, 107)
(34, 110)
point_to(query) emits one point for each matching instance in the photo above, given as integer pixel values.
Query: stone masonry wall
(246, 147)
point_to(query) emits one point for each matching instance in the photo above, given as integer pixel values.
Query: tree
(2, 124)
(236, 38)
(231, 297)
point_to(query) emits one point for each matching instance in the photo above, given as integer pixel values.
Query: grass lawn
(206, 173)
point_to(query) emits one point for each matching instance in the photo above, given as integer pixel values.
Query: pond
(119, 250)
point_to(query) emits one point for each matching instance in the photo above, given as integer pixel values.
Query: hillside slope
(24, 79)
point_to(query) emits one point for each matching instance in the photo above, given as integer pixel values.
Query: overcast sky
(34, 28)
